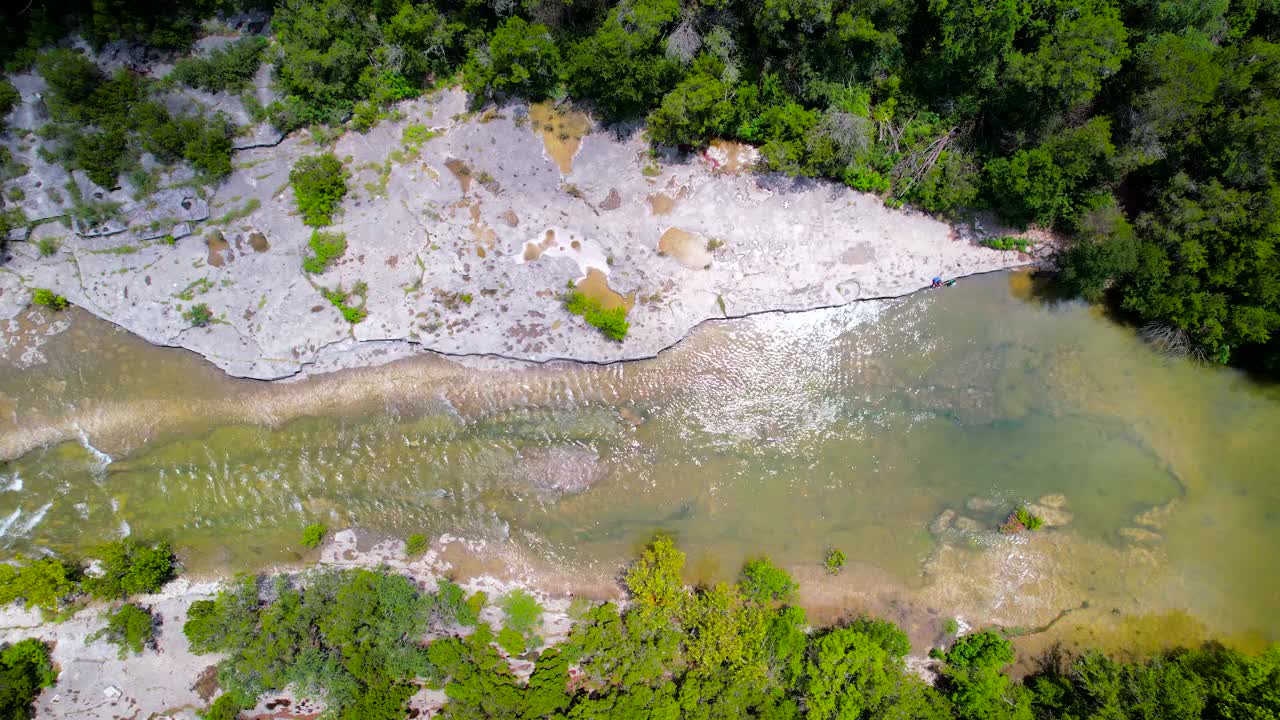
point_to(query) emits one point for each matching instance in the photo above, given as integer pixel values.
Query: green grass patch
(48, 298)
(196, 287)
(612, 322)
(249, 207)
(313, 535)
(326, 249)
(198, 315)
(341, 299)
(1007, 242)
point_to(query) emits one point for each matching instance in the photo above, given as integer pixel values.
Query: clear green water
(783, 434)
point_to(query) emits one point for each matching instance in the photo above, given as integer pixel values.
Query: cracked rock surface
(466, 242)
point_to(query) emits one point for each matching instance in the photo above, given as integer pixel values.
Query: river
(784, 434)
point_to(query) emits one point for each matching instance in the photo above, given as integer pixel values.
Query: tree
(950, 185)
(848, 676)
(1105, 247)
(697, 109)
(71, 78)
(228, 68)
(128, 568)
(1085, 47)
(520, 58)
(622, 66)
(973, 38)
(131, 628)
(325, 47)
(1027, 187)
(763, 582)
(654, 580)
(25, 669)
(46, 583)
(10, 98)
(977, 688)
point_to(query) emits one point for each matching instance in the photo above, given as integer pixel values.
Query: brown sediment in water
(462, 172)
(689, 248)
(533, 251)
(217, 245)
(258, 242)
(596, 286)
(1127, 636)
(661, 203)
(486, 237)
(561, 132)
(737, 155)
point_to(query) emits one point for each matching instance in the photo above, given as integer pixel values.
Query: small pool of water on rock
(900, 432)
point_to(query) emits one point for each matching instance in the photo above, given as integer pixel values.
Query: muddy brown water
(689, 248)
(783, 434)
(561, 131)
(596, 286)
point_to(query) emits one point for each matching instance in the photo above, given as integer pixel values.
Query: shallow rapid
(901, 432)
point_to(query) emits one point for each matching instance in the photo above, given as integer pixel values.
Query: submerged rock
(942, 522)
(981, 504)
(559, 470)
(1051, 516)
(1140, 535)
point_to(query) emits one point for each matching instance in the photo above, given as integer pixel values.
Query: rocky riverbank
(464, 229)
(976, 578)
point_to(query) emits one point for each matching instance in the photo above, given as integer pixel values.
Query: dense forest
(1146, 131)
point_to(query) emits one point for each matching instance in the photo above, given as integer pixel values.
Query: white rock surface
(420, 242)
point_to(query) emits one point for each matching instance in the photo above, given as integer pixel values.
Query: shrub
(49, 299)
(612, 322)
(227, 707)
(1021, 519)
(25, 669)
(10, 98)
(229, 68)
(415, 545)
(131, 568)
(834, 561)
(131, 629)
(313, 535)
(47, 247)
(319, 184)
(198, 315)
(46, 583)
(1029, 521)
(326, 248)
(1007, 242)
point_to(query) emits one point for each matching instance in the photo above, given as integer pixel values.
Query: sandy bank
(467, 240)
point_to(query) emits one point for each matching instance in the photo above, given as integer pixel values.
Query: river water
(785, 434)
